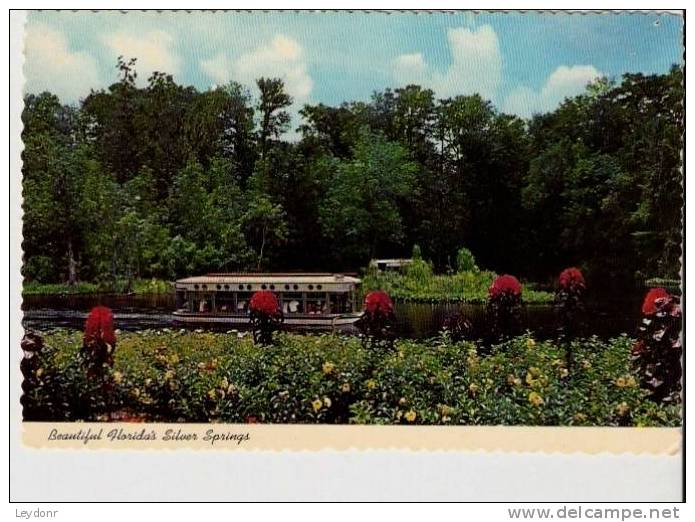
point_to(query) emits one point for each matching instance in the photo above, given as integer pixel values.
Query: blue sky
(524, 63)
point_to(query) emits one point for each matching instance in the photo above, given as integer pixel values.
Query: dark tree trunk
(72, 265)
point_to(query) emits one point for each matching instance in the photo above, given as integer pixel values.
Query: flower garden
(282, 377)
(202, 376)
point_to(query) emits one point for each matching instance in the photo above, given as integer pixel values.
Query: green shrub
(201, 376)
(417, 252)
(465, 262)
(469, 287)
(419, 271)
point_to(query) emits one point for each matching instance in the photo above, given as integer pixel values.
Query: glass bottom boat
(325, 301)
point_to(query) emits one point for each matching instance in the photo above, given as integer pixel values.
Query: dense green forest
(165, 181)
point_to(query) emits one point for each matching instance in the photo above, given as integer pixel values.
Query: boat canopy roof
(287, 282)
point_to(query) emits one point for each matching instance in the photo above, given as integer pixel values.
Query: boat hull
(309, 321)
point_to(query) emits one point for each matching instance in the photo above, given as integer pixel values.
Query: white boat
(321, 300)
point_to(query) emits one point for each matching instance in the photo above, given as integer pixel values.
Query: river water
(413, 320)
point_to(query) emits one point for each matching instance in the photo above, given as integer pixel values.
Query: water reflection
(414, 320)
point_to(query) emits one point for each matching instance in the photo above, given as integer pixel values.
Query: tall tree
(274, 119)
(361, 214)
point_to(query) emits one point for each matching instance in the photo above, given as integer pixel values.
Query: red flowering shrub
(505, 284)
(264, 302)
(99, 326)
(99, 340)
(571, 279)
(378, 316)
(656, 356)
(378, 302)
(649, 305)
(569, 306)
(265, 315)
(504, 306)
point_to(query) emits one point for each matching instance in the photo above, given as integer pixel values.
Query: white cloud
(153, 50)
(563, 82)
(476, 65)
(410, 68)
(50, 65)
(282, 57)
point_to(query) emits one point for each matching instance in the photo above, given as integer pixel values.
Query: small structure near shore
(390, 265)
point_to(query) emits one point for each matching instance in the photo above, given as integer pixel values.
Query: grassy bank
(189, 376)
(469, 287)
(138, 286)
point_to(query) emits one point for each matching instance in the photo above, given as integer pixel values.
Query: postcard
(330, 230)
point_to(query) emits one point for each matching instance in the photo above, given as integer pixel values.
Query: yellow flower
(328, 368)
(410, 416)
(402, 401)
(535, 399)
(212, 394)
(39, 372)
(317, 404)
(530, 343)
(622, 409)
(445, 410)
(534, 377)
(579, 417)
(371, 384)
(117, 377)
(564, 373)
(345, 387)
(473, 388)
(513, 380)
(327, 402)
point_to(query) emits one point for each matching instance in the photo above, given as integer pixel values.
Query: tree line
(166, 180)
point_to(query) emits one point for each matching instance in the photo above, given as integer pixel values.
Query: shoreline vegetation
(138, 286)
(461, 287)
(184, 376)
(464, 287)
